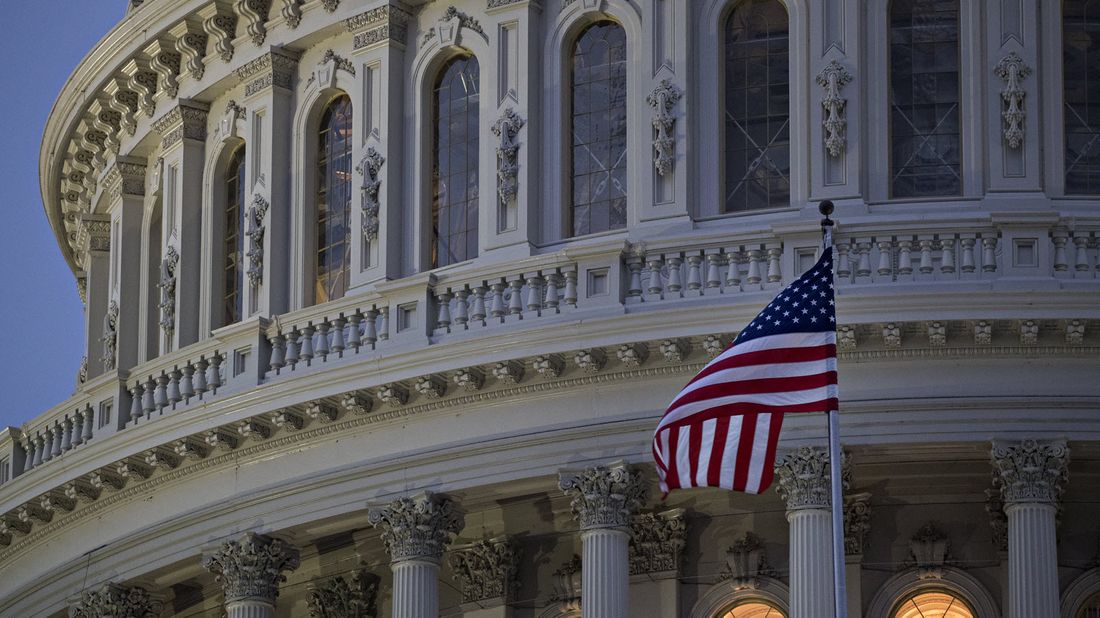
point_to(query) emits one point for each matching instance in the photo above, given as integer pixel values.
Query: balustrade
(328, 337)
(57, 432)
(175, 385)
(508, 299)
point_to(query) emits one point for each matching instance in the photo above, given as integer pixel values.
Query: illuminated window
(753, 609)
(333, 201)
(233, 257)
(933, 605)
(757, 118)
(455, 162)
(1081, 94)
(598, 122)
(924, 98)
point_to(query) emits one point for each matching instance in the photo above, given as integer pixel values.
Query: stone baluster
(733, 269)
(695, 275)
(967, 255)
(477, 306)
(160, 395)
(1081, 255)
(136, 409)
(843, 263)
(39, 450)
(384, 324)
(775, 275)
(534, 293)
(250, 571)
(753, 277)
(57, 431)
(1061, 261)
(292, 348)
(925, 256)
(634, 267)
(148, 400)
(675, 281)
(905, 257)
(338, 343)
(201, 368)
(305, 350)
(87, 432)
(515, 300)
(947, 256)
(571, 287)
(66, 426)
(989, 254)
(174, 394)
(804, 486)
(187, 382)
(322, 349)
(370, 329)
(1031, 476)
(496, 308)
(655, 285)
(278, 352)
(355, 336)
(462, 308)
(885, 258)
(603, 500)
(552, 299)
(47, 445)
(863, 264)
(415, 531)
(714, 270)
(28, 454)
(77, 432)
(443, 317)
(214, 372)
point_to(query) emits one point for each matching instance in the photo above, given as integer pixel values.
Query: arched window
(757, 111)
(939, 604)
(1090, 608)
(598, 129)
(333, 201)
(924, 98)
(1080, 48)
(233, 247)
(753, 609)
(455, 100)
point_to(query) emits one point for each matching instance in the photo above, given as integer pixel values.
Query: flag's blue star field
(804, 306)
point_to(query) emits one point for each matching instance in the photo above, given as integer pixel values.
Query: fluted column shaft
(1032, 560)
(249, 609)
(811, 556)
(606, 573)
(415, 589)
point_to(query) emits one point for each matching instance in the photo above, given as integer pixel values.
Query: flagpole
(835, 462)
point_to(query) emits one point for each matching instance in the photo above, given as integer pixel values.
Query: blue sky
(40, 312)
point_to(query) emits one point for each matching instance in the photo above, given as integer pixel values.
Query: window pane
(333, 203)
(599, 129)
(234, 250)
(753, 609)
(757, 115)
(933, 604)
(1080, 50)
(455, 162)
(924, 98)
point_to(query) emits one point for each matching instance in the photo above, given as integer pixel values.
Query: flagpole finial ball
(825, 207)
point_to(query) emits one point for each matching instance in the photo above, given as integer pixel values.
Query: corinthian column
(416, 530)
(604, 500)
(1030, 476)
(250, 571)
(804, 486)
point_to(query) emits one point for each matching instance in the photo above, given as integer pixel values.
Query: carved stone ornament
(448, 30)
(369, 168)
(486, 570)
(998, 521)
(257, 216)
(832, 78)
(567, 585)
(167, 284)
(255, 14)
(233, 113)
(325, 73)
(804, 478)
(604, 496)
(343, 598)
(115, 601)
(379, 25)
(418, 527)
(928, 549)
(252, 568)
(746, 563)
(663, 99)
(292, 13)
(1030, 471)
(506, 129)
(1012, 70)
(187, 120)
(110, 336)
(656, 541)
(82, 372)
(276, 68)
(857, 523)
(713, 345)
(508, 372)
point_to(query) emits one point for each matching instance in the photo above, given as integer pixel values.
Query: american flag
(723, 427)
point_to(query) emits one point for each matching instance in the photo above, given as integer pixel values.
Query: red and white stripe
(723, 427)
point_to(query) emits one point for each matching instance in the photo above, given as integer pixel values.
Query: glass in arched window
(598, 129)
(925, 138)
(234, 251)
(757, 107)
(1090, 608)
(1081, 94)
(929, 604)
(455, 100)
(334, 201)
(753, 609)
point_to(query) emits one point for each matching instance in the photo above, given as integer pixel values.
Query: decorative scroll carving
(486, 570)
(632, 354)
(117, 602)
(257, 214)
(663, 99)
(110, 336)
(463, 19)
(125, 102)
(192, 48)
(746, 563)
(656, 541)
(330, 5)
(252, 568)
(928, 549)
(418, 527)
(1030, 471)
(832, 78)
(341, 63)
(369, 169)
(393, 394)
(166, 64)
(275, 68)
(322, 411)
(567, 585)
(222, 27)
(356, 403)
(255, 13)
(1012, 70)
(604, 496)
(469, 380)
(167, 284)
(233, 113)
(591, 360)
(82, 372)
(385, 23)
(185, 121)
(341, 598)
(508, 372)
(804, 478)
(292, 13)
(506, 129)
(857, 523)
(144, 83)
(674, 350)
(548, 365)
(431, 386)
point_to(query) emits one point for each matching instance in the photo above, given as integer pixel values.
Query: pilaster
(250, 571)
(94, 257)
(835, 80)
(339, 597)
(124, 184)
(1013, 97)
(486, 575)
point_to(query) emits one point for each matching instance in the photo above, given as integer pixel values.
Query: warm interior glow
(753, 609)
(934, 605)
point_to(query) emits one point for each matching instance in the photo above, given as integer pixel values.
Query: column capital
(339, 598)
(126, 176)
(115, 601)
(187, 120)
(276, 68)
(93, 234)
(1030, 471)
(387, 24)
(604, 496)
(656, 541)
(857, 522)
(486, 570)
(418, 527)
(252, 567)
(804, 478)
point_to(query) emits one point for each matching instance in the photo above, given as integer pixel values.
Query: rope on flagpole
(835, 460)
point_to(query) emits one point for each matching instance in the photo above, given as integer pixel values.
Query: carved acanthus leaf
(486, 570)
(663, 100)
(418, 527)
(1012, 70)
(604, 496)
(252, 567)
(832, 78)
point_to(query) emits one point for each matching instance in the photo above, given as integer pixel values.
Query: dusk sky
(40, 312)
